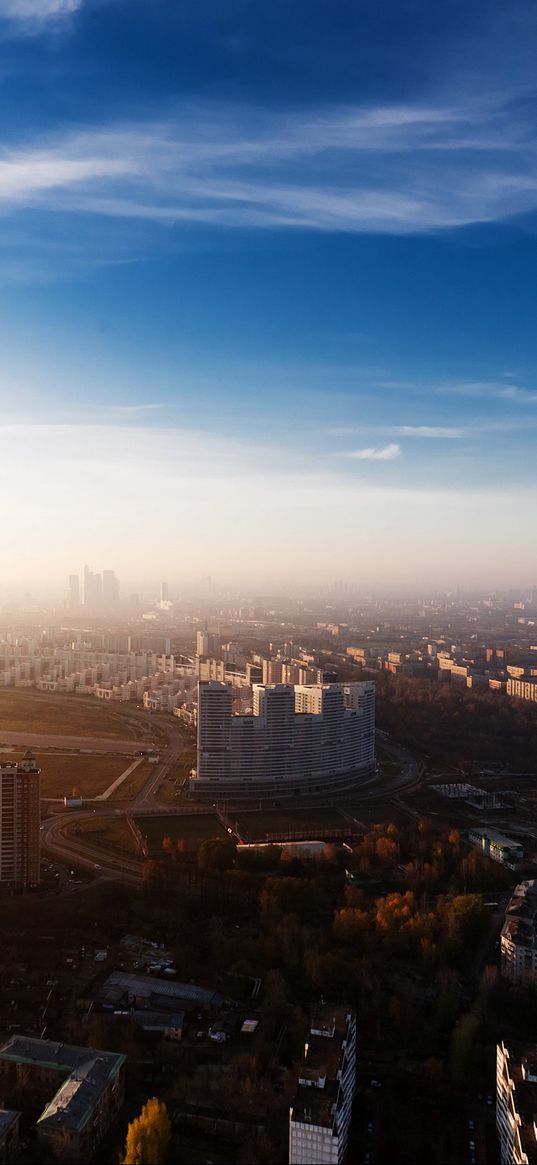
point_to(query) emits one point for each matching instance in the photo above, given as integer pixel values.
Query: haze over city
(267, 292)
(268, 597)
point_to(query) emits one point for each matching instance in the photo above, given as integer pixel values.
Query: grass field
(114, 834)
(63, 773)
(192, 827)
(132, 785)
(258, 823)
(69, 715)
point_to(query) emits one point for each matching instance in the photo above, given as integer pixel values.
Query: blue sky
(267, 289)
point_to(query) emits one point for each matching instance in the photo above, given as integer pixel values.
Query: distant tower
(110, 589)
(164, 592)
(88, 576)
(74, 592)
(202, 643)
(19, 822)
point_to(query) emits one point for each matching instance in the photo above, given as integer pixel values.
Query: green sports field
(192, 827)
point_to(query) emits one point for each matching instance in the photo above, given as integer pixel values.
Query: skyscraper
(110, 591)
(164, 592)
(19, 823)
(202, 643)
(93, 589)
(74, 592)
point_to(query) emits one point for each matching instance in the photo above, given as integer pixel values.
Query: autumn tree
(466, 919)
(300, 896)
(148, 1135)
(216, 853)
(350, 924)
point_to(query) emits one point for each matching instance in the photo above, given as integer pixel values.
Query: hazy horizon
(334, 593)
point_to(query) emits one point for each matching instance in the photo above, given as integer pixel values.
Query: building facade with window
(320, 1117)
(516, 1102)
(19, 823)
(308, 739)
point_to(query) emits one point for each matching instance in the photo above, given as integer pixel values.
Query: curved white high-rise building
(310, 739)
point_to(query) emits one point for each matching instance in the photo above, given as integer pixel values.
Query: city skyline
(267, 290)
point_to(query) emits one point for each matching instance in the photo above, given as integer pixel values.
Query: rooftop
(7, 1118)
(318, 1087)
(159, 1020)
(87, 1071)
(146, 986)
(521, 915)
(497, 838)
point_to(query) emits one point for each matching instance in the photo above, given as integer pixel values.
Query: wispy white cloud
(481, 389)
(37, 11)
(389, 169)
(490, 390)
(133, 410)
(441, 432)
(433, 432)
(381, 453)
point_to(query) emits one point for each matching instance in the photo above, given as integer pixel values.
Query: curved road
(61, 843)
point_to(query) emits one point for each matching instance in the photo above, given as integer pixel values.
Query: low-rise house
(81, 1089)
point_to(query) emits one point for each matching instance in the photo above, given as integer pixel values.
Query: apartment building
(320, 1117)
(497, 846)
(522, 689)
(308, 739)
(19, 823)
(516, 1102)
(211, 669)
(518, 943)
